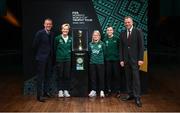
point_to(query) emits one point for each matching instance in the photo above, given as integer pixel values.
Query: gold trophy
(80, 40)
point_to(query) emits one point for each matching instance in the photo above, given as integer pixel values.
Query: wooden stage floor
(163, 96)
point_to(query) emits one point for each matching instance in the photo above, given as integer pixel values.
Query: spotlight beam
(11, 19)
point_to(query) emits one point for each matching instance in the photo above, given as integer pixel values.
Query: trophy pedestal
(79, 62)
(79, 86)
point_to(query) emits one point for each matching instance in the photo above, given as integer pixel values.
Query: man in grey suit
(131, 57)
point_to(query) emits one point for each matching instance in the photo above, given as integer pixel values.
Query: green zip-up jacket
(96, 51)
(112, 48)
(62, 49)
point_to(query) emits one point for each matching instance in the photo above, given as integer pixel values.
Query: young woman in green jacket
(96, 51)
(63, 45)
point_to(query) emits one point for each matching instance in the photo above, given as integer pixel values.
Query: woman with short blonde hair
(96, 50)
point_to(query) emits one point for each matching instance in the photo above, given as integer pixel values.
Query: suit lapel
(125, 37)
(47, 37)
(132, 33)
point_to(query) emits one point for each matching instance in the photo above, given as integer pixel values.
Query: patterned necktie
(129, 37)
(129, 34)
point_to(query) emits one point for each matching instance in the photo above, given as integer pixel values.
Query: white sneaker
(102, 94)
(92, 93)
(66, 93)
(60, 94)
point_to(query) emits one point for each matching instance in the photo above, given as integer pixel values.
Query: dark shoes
(118, 94)
(47, 95)
(108, 93)
(138, 102)
(41, 99)
(129, 97)
(44, 97)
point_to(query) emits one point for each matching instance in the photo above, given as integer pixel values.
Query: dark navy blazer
(43, 45)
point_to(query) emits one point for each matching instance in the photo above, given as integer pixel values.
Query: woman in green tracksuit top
(112, 60)
(96, 51)
(63, 45)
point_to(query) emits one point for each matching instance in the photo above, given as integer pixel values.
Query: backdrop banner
(84, 16)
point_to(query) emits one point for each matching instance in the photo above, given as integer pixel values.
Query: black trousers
(43, 73)
(113, 71)
(132, 79)
(64, 75)
(97, 73)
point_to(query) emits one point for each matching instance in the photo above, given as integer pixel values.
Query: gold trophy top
(80, 39)
(79, 33)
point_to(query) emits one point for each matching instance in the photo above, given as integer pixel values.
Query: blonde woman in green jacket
(63, 45)
(96, 51)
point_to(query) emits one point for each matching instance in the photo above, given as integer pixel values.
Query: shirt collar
(65, 37)
(111, 36)
(48, 32)
(130, 29)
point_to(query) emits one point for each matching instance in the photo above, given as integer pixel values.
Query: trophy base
(79, 74)
(80, 48)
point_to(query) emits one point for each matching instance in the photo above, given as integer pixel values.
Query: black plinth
(79, 86)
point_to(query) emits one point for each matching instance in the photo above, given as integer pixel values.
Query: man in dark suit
(43, 50)
(131, 57)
